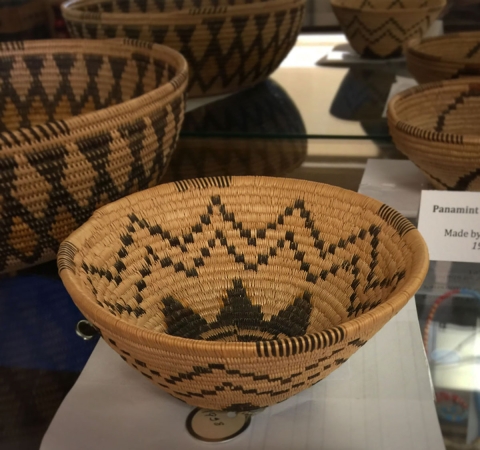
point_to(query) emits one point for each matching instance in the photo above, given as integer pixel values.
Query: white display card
(450, 225)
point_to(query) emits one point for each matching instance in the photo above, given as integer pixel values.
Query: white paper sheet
(380, 399)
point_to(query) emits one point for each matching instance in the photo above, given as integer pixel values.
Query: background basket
(239, 292)
(437, 126)
(228, 44)
(56, 169)
(444, 57)
(379, 28)
(263, 110)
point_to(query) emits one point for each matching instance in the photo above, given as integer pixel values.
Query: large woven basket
(442, 58)
(229, 44)
(82, 123)
(437, 126)
(379, 28)
(236, 293)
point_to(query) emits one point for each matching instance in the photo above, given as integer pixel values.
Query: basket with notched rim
(235, 293)
(82, 123)
(454, 55)
(380, 28)
(436, 125)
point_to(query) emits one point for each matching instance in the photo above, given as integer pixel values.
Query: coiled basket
(236, 293)
(380, 28)
(436, 125)
(229, 44)
(82, 123)
(445, 57)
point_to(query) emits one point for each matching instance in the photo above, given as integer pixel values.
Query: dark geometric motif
(280, 384)
(223, 63)
(51, 162)
(237, 318)
(188, 263)
(371, 30)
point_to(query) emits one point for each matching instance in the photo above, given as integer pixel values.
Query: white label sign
(450, 224)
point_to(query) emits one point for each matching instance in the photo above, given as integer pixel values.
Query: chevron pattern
(381, 33)
(224, 51)
(49, 192)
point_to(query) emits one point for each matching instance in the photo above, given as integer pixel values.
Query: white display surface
(398, 183)
(380, 399)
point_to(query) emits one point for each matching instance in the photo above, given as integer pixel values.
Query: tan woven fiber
(82, 124)
(445, 57)
(229, 45)
(437, 125)
(380, 28)
(236, 293)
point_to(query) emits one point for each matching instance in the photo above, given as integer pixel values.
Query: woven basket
(445, 57)
(229, 44)
(379, 28)
(436, 126)
(236, 293)
(55, 169)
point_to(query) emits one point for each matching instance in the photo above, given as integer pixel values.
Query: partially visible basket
(229, 44)
(441, 58)
(380, 28)
(82, 123)
(437, 126)
(239, 292)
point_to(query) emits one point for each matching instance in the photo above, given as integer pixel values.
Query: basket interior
(155, 6)
(387, 4)
(454, 109)
(38, 87)
(243, 264)
(460, 49)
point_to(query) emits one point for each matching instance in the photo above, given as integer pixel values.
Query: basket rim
(71, 12)
(414, 47)
(430, 8)
(160, 96)
(404, 127)
(117, 326)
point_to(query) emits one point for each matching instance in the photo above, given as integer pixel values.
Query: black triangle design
(238, 312)
(214, 26)
(109, 31)
(182, 321)
(239, 23)
(132, 32)
(160, 4)
(142, 4)
(118, 67)
(159, 34)
(260, 21)
(185, 33)
(293, 320)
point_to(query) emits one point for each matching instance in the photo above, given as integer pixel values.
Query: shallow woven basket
(229, 44)
(444, 57)
(236, 293)
(379, 28)
(82, 123)
(437, 125)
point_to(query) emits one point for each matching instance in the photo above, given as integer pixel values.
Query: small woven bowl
(436, 125)
(380, 28)
(82, 123)
(236, 293)
(229, 44)
(444, 57)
